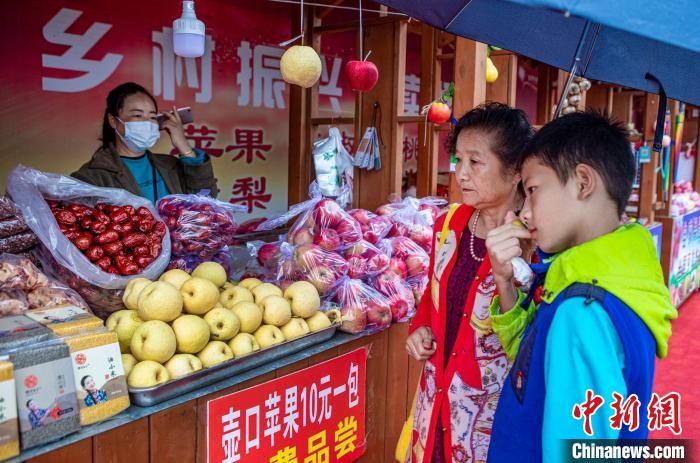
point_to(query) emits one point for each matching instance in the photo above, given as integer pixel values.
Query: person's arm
(199, 173)
(583, 352)
(510, 324)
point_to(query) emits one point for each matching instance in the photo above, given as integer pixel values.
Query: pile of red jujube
(121, 240)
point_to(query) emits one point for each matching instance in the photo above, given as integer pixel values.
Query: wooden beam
(544, 94)
(328, 10)
(352, 25)
(470, 88)
(300, 136)
(504, 89)
(622, 107)
(647, 188)
(427, 162)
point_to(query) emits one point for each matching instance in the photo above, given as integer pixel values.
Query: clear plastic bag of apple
(374, 227)
(311, 263)
(189, 262)
(365, 260)
(321, 221)
(87, 234)
(414, 218)
(362, 307)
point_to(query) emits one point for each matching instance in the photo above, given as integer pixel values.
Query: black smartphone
(185, 115)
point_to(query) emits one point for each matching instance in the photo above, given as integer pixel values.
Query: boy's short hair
(587, 138)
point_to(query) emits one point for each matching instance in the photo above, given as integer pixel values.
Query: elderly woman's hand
(420, 344)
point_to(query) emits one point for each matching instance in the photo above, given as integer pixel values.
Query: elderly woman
(465, 364)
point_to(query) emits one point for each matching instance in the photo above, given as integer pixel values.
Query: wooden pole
(470, 88)
(427, 162)
(648, 181)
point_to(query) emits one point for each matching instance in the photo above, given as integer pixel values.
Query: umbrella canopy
(617, 41)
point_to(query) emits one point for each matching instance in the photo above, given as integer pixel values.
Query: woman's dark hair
(115, 102)
(30, 400)
(509, 129)
(82, 381)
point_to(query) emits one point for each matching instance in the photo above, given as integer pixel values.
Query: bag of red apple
(31, 189)
(415, 220)
(407, 272)
(311, 263)
(362, 308)
(374, 227)
(321, 222)
(365, 260)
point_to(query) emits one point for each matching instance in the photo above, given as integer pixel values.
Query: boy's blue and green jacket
(605, 311)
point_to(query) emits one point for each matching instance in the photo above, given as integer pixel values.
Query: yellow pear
(300, 65)
(491, 71)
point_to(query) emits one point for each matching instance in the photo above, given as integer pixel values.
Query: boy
(605, 308)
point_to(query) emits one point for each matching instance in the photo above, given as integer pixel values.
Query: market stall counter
(175, 430)
(680, 257)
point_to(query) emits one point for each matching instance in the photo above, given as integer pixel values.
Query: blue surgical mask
(139, 135)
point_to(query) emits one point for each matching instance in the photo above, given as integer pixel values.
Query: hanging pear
(300, 65)
(491, 71)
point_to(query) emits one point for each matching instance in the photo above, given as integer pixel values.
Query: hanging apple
(363, 75)
(439, 112)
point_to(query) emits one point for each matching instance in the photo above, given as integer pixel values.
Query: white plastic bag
(334, 167)
(30, 188)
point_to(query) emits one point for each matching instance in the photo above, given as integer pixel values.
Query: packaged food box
(9, 435)
(47, 405)
(19, 330)
(66, 320)
(100, 381)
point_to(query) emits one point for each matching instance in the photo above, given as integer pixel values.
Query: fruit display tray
(148, 396)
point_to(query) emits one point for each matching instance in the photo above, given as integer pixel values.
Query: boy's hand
(420, 344)
(503, 244)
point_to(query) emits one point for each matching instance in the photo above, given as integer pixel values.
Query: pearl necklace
(471, 238)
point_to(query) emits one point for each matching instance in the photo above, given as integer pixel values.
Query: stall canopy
(635, 43)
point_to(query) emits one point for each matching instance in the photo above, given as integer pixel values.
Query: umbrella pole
(565, 90)
(575, 65)
(660, 122)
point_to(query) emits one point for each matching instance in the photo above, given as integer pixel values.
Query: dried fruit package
(24, 287)
(321, 222)
(32, 189)
(362, 307)
(311, 263)
(201, 229)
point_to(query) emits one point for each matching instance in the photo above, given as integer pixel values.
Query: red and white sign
(316, 415)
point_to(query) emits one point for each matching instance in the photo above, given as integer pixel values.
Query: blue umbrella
(650, 45)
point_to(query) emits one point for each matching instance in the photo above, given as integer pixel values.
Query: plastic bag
(13, 302)
(334, 167)
(362, 307)
(30, 189)
(7, 208)
(400, 295)
(410, 263)
(365, 260)
(22, 282)
(18, 243)
(311, 263)
(321, 221)
(374, 227)
(12, 226)
(201, 229)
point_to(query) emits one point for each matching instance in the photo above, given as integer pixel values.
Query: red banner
(316, 415)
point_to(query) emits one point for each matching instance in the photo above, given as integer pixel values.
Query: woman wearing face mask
(129, 131)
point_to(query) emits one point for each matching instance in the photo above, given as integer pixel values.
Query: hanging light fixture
(188, 33)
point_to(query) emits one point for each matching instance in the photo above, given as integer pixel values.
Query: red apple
(399, 308)
(328, 214)
(327, 239)
(417, 265)
(267, 253)
(439, 113)
(378, 263)
(399, 229)
(306, 254)
(354, 319)
(302, 236)
(323, 279)
(398, 267)
(357, 266)
(363, 75)
(349, 231)
(361, 215)
(378, 314)
(421, 235)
